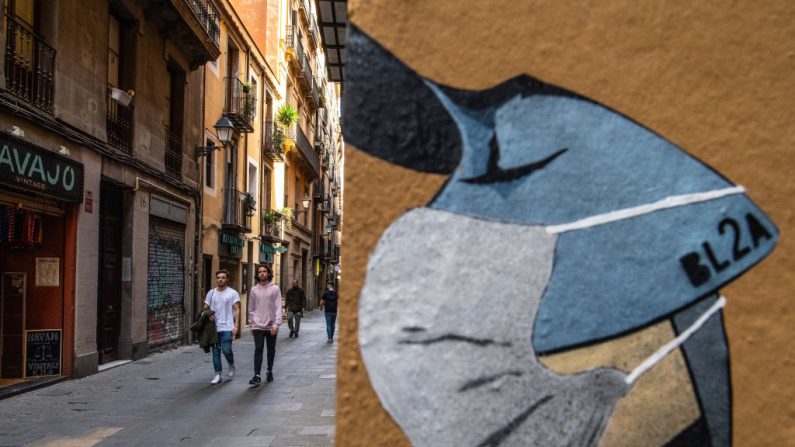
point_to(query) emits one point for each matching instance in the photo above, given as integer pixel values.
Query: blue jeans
(225, 342)
(330, 320)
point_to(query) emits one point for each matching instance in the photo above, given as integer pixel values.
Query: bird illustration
(562, 224)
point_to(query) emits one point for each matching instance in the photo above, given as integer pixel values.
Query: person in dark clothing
(295, 303)
(329, 304)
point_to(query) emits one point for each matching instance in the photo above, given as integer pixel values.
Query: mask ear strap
(675, 343)
(635, 211)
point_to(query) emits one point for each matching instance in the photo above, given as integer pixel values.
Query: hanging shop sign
(230, 245)
(266, 253)
(43, 352)
(32, 168)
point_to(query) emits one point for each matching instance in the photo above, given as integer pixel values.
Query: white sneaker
(216, 380)
(231, 370)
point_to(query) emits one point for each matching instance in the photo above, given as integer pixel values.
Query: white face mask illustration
(449, 350)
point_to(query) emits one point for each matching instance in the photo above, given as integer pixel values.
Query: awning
(333, 24)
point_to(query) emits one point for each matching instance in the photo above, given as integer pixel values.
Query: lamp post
(223, 130)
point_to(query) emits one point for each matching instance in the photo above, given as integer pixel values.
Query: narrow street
(167, 399)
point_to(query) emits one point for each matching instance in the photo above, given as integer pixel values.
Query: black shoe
(291, 334)
(256, 380)
(269, 376)
(296, 335)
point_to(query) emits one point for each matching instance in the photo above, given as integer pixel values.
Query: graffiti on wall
(563, 227)
(165, 286)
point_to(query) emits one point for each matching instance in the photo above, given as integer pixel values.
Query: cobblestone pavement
(167, 399)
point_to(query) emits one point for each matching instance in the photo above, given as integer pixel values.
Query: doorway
(110, 260)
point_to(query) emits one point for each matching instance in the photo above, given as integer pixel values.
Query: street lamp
(223, 130)
(306, 201)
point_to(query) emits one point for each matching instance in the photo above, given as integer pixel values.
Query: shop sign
(43, 352)
(266, 253)
(32, 168)
(231, 245)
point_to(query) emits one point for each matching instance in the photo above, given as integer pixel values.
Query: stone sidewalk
(166, 399)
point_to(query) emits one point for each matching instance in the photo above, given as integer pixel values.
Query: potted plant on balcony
(288, 216)
(269, 218)
(249, 101)
(286, 116)
(249, 204)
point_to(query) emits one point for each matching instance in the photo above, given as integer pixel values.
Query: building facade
(298, 145)
(99, 192)
(118, 198)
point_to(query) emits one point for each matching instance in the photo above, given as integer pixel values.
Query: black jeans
(263, 338)
(294, 321)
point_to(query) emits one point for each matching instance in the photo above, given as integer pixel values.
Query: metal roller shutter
(165, 284)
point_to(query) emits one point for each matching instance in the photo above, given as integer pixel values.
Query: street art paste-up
(605, 228)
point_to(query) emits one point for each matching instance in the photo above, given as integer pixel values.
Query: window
(209, 167)
(252, 179)
(266, 189)
(254, 93)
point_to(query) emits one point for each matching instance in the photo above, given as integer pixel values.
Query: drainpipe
(197, 254)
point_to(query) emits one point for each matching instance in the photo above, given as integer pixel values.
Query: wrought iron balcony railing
(237, 211)
(317, 190)
(320, 247)
(272, 226)
(306, 150)
(294, 47)
(314, 34)
(119, 124)
(240, 105)
(304, 11)
(173, 154)
(208, 17)
(272, 147)
(29, 66)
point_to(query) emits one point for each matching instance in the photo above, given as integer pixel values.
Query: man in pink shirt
(264, 316)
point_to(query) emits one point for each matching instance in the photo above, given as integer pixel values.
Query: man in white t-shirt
(225, 302)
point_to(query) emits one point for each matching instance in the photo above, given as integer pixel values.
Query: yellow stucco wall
(715, 78)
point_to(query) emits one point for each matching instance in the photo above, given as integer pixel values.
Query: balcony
(119, 125)
(325, 205)
(240, 104)
(304, 11)
(173, 154)
(194, 25)
(306, 151)
(204, 11)
(289, 138)
(294, 48)
(321, 92)
(29, 66)
(237, 212)
(272, 227)
(317, 190)
(272, 148)
(314, 34)
(320, 248)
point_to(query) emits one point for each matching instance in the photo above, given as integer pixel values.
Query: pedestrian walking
(329, 304)
(295, 302)
(225, 302)
(264, 315)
